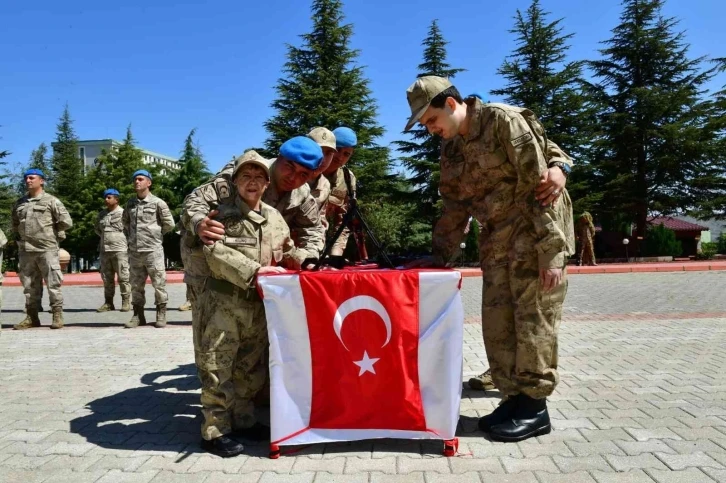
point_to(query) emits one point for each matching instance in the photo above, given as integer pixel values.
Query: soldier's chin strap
(351, 213)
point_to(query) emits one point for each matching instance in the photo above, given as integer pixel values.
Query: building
(90, 150)
(689, 234)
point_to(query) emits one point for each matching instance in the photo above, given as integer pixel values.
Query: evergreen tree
(540, 77)
(193, 171)
(657, 142)
(422, 153)
(7, 195)
(66, 165)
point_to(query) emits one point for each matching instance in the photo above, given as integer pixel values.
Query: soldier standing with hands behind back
(114, 252)
(146, 219)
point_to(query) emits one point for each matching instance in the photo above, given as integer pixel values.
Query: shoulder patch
(524, 138)
(308, 205)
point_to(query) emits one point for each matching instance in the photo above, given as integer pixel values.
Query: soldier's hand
(210, 230)
(269, 270)
(551, 184)
(549, 278)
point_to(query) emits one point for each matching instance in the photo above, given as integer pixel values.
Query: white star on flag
(366, 364)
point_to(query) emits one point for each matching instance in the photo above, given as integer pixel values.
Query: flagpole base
(451, 446)
(274, 451)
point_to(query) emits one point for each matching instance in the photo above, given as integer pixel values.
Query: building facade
(90, 150)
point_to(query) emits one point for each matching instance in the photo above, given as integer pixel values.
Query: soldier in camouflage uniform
(146, 219)
(40, 221)
(491, 173)
(114, 252)
(585, 234)
(319, 184)
(232, 358)
(345, 140)
(3, 243)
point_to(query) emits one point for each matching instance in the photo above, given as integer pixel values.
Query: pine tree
(657, 144)
(422, 154)
(193, 171)
(541, 78)
(66, 165)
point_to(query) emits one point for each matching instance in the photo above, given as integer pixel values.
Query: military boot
(57, 318)
(500, 415)
(185, 306)
(107, 306)
(482, 382)
(530, 418)
(125, 305)
(138, 319)
(160, 316)
(31, 319)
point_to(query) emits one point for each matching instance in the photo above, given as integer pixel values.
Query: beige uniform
(231, 361)
(491, 174)
(320, 190)
(40, 224)
(145, 222)
(337, 207)
(3, 243)
(114, 252)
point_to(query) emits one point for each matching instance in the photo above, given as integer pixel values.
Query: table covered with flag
(363, 354)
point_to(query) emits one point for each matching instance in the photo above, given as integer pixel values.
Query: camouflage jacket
(40, 222)
(252, 240)
(320, 190)
(298, 208)
(491, 174)
(339, 190)
(3, 243)
(110, 227)
(145, 222)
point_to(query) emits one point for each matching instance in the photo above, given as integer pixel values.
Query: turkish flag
(360, 354)
(364, 347)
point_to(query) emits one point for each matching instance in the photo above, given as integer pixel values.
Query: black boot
(529, 419)
(223, 446)
(500, 415)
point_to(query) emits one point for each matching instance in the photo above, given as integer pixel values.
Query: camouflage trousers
(36, 267)
(196, 271)
(231, 362)
(151, 264)
(587, 253)
(113, 264)
(520, 325)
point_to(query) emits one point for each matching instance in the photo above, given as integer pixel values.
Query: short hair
(440, 99)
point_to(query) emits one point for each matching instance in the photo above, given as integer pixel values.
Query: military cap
(303, 151)
(251, 157)
(141, 172)
(34, 171)
(110, 191)
(345, 137)
(421, 93)
(324, 137)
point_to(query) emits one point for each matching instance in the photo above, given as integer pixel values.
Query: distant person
(114, 252)
(586, 235)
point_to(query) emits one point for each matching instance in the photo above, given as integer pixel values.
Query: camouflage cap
(420, 94)
(251, 157)
(324, 137)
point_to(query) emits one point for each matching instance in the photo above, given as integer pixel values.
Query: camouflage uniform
(320, 190)
(3, 243)
(40, 224)
(585, 234)
(232, 362)
(337, 207)
(114, 254)
(492, 175)
(145, 221)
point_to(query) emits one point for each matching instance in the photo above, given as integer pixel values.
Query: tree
(655, 152)
(541, 78)
(193, 171)
(66, 164)
(7, 196)
(323, 86)
(422, 153)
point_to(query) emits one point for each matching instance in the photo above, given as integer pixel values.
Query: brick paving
(642, 398)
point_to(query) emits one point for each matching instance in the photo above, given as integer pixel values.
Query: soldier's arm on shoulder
(197, 206)
(228, 264)
(449, 230)
(525, 153)
(309, 227)
(62, 217)
(166, 220)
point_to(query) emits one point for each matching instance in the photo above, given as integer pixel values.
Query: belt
(227, 288)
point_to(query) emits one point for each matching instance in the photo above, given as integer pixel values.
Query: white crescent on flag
(360, 302)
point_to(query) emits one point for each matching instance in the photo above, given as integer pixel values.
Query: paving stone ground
(642, 398)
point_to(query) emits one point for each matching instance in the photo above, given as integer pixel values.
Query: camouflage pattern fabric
(141, 265)
(145, 222)
(36, 267)
(40, 222)
(115, 264)
(337, 207)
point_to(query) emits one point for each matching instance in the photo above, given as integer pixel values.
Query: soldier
(40, 221)
(319, 184)
(146, 218)
(232, 359)
(114, 252)
(492, 174)
(345, 140)
(3, 243)
(585, 234)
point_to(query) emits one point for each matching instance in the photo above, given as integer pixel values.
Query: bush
(661, 242)
(708, 250)
(722, 243)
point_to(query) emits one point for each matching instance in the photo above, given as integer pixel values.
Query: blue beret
(303, 151)
(477, 94)
(110, 191)
(141, 172)
(345, 137)
(34, 171)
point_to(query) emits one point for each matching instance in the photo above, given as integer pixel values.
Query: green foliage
(661, 242)
(708, 251)
(421, 154)
(722, 244)
(7, 196)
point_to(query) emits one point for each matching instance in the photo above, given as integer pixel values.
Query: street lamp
(462, 245)
(626, 242)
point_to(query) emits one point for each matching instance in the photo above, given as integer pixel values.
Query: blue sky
(167, 67)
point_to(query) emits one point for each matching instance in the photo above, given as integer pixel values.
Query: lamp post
(462, 246)
(626, 242)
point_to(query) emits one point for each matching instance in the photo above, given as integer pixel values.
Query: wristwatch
(566, 169)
